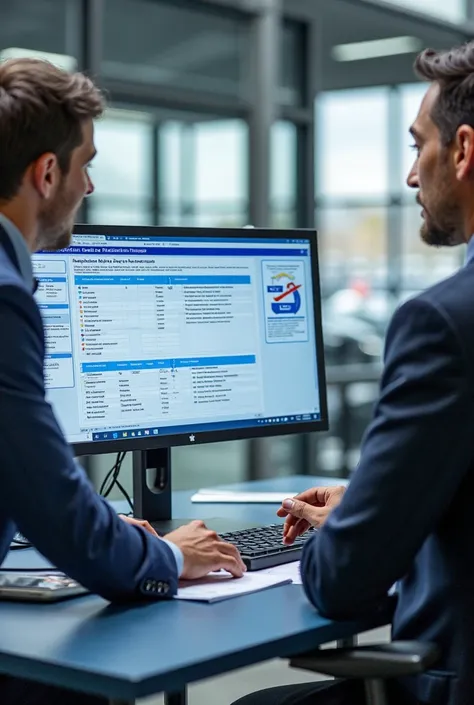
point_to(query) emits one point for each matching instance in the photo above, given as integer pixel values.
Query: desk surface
(259, 513)
(132, 652)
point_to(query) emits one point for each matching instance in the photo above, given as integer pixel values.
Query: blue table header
(172, 363)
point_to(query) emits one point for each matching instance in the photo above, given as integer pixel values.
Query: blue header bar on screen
(184, 251)
(167, 364)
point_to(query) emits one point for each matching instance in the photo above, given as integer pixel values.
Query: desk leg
(177, 698)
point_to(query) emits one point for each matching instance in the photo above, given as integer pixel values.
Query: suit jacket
(44, 493)
(408, 514)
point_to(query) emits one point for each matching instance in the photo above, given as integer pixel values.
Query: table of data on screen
(180, 344)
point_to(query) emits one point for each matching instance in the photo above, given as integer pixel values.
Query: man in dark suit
(407, 515)
(46, 146)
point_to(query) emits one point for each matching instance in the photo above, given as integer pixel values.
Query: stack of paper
(222, 586)
(288, 570)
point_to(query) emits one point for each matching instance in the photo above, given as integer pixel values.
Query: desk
(124, 653)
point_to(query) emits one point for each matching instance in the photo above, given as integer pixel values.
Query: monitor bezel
(218, 436)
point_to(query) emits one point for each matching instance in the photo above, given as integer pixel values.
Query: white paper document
(230, 497)
(222, 586)
(287, 571)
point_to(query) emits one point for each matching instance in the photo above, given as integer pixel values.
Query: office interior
(275, 113)
(281, 114)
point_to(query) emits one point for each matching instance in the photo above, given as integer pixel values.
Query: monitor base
(152, 495)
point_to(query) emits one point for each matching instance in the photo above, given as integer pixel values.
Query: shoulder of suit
(453, 300)
(454, 293)
(16, 295)
(9, 275)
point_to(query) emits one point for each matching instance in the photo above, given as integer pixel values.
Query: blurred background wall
(282, 113)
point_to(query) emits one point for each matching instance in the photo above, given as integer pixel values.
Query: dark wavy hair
(453, 71)
(42, 109)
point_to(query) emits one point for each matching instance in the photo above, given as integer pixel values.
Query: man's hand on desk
(204, 551)
(310, 508)
(139, 522)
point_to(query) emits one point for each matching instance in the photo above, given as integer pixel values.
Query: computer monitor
(159, 337)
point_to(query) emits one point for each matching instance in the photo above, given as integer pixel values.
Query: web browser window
(150, 336)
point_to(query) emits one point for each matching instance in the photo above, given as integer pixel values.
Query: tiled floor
(225, 689)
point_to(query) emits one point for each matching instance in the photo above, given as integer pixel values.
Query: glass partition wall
(225, 113)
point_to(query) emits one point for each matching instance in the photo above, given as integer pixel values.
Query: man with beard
(407, 514)
(46, 146)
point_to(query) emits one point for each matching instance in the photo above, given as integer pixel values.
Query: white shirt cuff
(178, 555)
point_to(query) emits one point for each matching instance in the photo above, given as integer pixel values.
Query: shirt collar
(470, 251)
(21, 250)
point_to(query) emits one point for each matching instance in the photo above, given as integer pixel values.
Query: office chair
(373, 664)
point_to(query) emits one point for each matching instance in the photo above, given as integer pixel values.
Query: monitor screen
(168, 336)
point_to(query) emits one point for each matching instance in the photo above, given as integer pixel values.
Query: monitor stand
(152, 494)
(152, 489)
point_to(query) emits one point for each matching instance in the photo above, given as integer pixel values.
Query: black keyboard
(262, 547)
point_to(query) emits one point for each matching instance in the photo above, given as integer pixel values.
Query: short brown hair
(453, 71)
(42, 109)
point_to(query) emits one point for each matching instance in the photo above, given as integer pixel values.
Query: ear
(46, 175)
(464, 152)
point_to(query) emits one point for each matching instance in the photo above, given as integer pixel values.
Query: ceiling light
(62, 61)
(391, 46)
